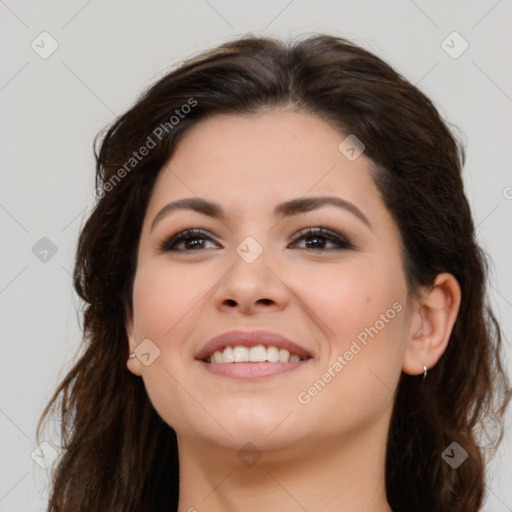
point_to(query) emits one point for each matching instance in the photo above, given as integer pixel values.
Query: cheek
(362, 308)
(162, 297)
(164, 300)
(349, 297)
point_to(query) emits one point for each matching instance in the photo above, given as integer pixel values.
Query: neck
(342, 474)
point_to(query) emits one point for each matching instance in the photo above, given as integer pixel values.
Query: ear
(133, 365)
(431, 323)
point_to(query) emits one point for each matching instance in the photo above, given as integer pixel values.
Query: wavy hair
(117, 453)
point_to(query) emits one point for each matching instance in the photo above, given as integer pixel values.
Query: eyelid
(333, 235)
(168, 242)
(345, 242)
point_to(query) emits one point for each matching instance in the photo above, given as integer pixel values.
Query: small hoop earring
(424, 373)
(131, 356)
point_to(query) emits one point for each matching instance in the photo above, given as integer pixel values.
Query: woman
(285, 302)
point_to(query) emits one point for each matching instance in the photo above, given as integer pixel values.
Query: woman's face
(340, 295)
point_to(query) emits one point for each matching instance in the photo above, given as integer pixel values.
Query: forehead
(265, 157)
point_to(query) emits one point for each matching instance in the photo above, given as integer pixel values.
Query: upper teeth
(257, 354)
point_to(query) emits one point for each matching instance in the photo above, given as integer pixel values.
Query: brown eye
(318, 238)
(189, 240)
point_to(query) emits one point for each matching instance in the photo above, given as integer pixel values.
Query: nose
(249, 288)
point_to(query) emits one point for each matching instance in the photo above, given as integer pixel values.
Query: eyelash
(319, 232)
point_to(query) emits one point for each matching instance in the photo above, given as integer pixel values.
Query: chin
(267, 427)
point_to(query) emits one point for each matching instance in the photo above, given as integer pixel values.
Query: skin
(327, 454)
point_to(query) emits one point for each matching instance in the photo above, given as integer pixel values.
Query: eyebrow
(286, 209)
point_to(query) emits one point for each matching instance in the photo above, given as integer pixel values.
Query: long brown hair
(118, 454)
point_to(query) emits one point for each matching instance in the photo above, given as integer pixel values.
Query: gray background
(107, 52)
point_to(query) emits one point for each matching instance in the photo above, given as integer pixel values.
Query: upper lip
(250, 339)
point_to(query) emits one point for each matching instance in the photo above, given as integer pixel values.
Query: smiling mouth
(256, 354)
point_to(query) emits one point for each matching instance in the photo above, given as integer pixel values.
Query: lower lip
(250, 370)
